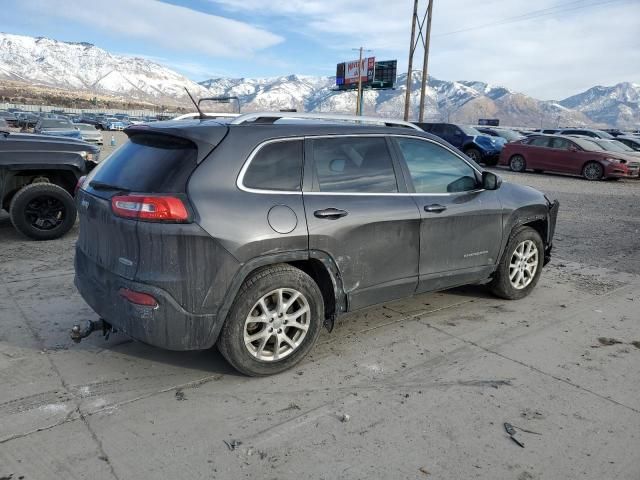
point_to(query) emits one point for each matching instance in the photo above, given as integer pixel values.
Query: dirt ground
(417, 389)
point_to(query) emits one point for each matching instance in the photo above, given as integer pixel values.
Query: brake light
(138, 298)
(150, 207)
(79, 184)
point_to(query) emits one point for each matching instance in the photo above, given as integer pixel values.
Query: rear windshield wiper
(106, 186)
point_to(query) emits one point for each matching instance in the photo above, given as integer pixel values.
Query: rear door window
(149, 164)
(560, 143)
(353, 165)
(276, 166)
(539, 142)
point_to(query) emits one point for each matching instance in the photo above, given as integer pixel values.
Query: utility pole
(424, 35)
(359, 100)
(407, 98)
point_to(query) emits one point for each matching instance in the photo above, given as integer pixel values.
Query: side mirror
(491, 181)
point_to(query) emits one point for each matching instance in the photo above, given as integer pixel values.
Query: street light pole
(359, 99)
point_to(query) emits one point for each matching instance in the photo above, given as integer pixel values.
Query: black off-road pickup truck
(38, 176)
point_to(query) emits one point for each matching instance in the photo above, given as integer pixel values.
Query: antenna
(202, 115)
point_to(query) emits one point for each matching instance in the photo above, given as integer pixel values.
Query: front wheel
(593, 171)
(274, 322)
(474, 154)
(42, 211)
(521, 265)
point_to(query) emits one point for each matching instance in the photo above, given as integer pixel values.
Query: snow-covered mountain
(85, 67)
(462, 101)
(617, 105)
(82, 67)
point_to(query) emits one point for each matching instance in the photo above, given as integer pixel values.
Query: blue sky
(547, 48)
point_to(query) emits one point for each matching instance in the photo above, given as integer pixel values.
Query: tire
(593, 171)
(502, 284)
(42, 211)
(517, 163)
(474, 154)
(260, 290)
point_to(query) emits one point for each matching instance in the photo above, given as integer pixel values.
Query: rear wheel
(42, 211)
(474, 154)
(517, 163)
(520, 266)
(593, 171)
(274, 321)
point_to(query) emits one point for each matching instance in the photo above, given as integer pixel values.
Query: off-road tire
(500, 285)
(27, 194)
(231, 340)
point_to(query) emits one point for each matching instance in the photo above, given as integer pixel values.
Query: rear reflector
(79, 184)
(138, 298)
(150, 208)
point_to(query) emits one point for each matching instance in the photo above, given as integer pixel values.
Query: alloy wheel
(523, 264)
(277, 324)
(44, 212)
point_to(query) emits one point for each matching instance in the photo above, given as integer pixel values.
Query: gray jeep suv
(252, 234)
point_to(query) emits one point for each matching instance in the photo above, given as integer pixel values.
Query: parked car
(59, 127)
(632, 157)
(38, 175)
(197, 233)
(479, 147)
(630, 141)
(90, 133)
(27, 120)
(508, 134)
(112, 123)
(588, 132)
(4, 126)
(9, 117)
(556, 153)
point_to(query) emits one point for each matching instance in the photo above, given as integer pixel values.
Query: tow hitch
(78, 332)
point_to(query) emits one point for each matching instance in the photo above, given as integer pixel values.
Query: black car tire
(474, 154)
(593, 171)
(501, 284)
(231, 342)
(24, 223)
(517, 163)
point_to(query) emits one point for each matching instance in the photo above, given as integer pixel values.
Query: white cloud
(564, 48)
(169, 26)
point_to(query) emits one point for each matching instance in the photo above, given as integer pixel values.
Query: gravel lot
(417, 388)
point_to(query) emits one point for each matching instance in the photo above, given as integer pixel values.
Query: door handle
(330, 213)
(435, 208)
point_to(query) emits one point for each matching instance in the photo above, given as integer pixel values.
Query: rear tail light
(79, 184)
(138, 298)
(154, 208)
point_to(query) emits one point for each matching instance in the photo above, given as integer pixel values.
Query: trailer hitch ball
(80, 331)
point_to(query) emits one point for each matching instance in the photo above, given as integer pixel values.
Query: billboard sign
(351, 70)
(492, 122)
(373, 74)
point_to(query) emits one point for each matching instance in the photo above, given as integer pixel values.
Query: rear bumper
(167, 325)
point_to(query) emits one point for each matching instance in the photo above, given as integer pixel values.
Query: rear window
(149, 164)
(276, 166)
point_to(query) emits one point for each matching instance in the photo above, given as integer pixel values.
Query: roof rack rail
(271, 117)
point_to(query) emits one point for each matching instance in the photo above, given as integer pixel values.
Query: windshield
(509, 135)
(588, 145)
(612, 146)
(55, 123)
(470, 130)
(83, 126)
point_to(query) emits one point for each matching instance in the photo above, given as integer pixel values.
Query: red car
(556, 153)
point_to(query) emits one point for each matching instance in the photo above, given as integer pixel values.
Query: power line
(531, 15)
